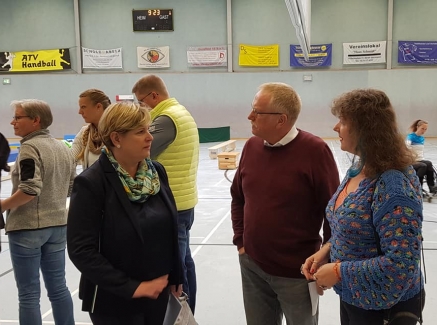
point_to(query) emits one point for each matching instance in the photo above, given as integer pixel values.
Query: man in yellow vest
(176, 146)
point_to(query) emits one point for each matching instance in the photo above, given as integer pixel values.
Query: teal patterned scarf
(146, 180)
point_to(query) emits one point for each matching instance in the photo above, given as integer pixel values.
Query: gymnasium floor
(219, 300)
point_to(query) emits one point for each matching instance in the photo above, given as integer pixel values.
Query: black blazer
(105, 241)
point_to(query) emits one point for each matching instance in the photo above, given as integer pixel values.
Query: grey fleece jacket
(45, 169)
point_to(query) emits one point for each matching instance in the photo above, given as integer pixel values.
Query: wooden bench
(222, 147)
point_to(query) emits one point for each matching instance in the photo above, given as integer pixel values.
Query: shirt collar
(286, 139)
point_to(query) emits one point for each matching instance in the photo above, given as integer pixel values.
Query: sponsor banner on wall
(259, 55)
(153, 57)
(44, 60)
(102, 59)
(416, 52)
(364, 52)
(320, 56)
(207, 56)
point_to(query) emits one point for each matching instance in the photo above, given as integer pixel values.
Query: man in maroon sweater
(279, 195)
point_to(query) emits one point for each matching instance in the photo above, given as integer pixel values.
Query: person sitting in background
(122, 226)
(36, 220)
(373, 256)
(87, 145)
(416, 141)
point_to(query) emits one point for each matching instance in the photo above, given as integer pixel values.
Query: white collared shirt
(286, 139)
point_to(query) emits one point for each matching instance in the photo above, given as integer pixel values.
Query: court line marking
(211, 233)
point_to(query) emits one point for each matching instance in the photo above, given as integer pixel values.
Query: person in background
(373, 257)
(176, 146)
(87, 145)
(4, 156)
(122, 226)
(42, 178)
(284, 181)
(416, 141)
(5, 150)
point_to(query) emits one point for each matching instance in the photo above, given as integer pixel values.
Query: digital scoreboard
(152, 20)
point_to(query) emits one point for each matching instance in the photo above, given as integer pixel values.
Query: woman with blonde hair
(87, 144)
(122, 226)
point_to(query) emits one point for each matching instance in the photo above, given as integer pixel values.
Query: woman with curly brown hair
(372, 259)
(87, 144)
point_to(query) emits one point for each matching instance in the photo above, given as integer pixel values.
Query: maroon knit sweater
(279, 196)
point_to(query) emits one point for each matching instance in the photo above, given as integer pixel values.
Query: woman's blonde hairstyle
(36, 108)
(372, 122)
(90, 135)
(97, 97)
(413, 127)
(121, 117)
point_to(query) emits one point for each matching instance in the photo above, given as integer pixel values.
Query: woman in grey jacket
(36, 220)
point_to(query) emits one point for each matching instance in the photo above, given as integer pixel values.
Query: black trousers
(399, 314)
(422, 168)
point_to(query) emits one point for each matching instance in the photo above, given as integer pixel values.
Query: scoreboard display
(152, 20)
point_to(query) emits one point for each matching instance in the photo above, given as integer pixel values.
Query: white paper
(312, 287)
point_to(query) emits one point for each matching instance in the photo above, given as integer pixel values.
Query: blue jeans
(267, 298)
(45, 249)
(185, 221)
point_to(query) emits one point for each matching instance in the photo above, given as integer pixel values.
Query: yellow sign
(259, 56)
(58, 59)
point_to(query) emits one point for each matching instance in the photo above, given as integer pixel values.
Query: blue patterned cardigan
(370, 281)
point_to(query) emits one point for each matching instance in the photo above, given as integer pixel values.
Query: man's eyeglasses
(16, 118)
(264, 113)
(141, 101)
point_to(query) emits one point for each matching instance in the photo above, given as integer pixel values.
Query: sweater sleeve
(163, 131)
(237, 204)
(77, 145)
(30, 170)
(380, 282)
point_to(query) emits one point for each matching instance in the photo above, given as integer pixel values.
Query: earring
(118, 146)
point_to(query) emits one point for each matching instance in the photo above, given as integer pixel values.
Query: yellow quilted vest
(181, 157)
